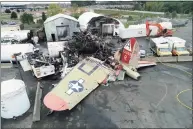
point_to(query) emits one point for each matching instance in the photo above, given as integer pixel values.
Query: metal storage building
(103, 24)
(60, 27)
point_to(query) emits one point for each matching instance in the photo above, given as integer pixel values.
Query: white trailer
(17, 35)
(132, 32)
(136, 31)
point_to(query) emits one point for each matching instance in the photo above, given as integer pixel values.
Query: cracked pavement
(123, 104)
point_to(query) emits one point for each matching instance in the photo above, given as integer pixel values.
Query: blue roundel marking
(75, 86)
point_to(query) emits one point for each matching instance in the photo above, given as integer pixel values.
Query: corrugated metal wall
(50, 27)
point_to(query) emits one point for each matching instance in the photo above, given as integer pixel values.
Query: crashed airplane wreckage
(90, 58)
(89, 73)
(82, 44)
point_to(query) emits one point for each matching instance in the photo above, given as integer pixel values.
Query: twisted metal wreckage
(86, 61)
(90, 72)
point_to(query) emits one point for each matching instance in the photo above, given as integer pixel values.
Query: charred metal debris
(81, 45)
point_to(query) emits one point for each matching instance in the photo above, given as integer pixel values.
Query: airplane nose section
(55, 103)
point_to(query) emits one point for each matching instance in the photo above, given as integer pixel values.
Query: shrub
(13, 15)
(7, 11)
(26, 18)
(18, 10)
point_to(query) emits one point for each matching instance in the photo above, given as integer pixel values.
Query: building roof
(159, 40)
(121, 25)
(86, 17)
(175, 39)
(59, 16)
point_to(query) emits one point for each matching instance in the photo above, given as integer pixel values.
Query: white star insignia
(75, 86)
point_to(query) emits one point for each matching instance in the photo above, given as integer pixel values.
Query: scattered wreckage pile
(82, 45)
(93, 70)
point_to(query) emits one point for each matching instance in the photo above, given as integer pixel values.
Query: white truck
(160, 46)
(177, 46)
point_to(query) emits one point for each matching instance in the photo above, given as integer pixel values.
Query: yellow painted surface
(90, 82)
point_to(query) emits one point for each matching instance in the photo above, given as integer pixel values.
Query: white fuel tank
(7, 51)
(14, 98)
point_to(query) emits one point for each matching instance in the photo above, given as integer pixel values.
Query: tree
(137, 6)
(7, 11)
(54, 9)
(18, 10)
(13, 15)
(83, 3)
(174, 14)
(26, 18)
(44, 16)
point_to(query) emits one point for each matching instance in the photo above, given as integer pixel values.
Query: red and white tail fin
(135, 53)
(130, 54)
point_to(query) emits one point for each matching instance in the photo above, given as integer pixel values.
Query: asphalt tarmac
(149, 102)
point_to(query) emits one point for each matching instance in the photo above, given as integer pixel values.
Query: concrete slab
(166, 59)
(170, 59)
(6, 65)
(184, 58)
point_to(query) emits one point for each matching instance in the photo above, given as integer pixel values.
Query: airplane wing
(83, 79)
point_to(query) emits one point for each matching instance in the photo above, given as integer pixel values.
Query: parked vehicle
(177, 46)
(160, 46)
(142, 53)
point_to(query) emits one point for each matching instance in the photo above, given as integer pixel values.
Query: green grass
(135, 15)
(128, 23)
(7, 17)
(110, 12)
(32, 26)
